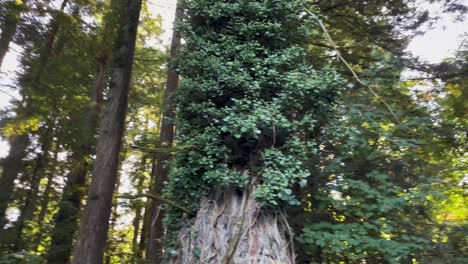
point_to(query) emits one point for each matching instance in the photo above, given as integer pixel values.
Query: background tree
(95, 220)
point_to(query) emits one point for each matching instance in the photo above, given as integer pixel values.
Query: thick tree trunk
(13, 164)
(231, 227)
(95, 220)
(8, 28)
(166, 139)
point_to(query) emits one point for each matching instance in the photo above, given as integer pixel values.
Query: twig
(156, 150)
(7, 93)
(356, 77)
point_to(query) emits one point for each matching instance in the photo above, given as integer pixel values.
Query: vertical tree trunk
(231, 227)
(19, 144)
(138, 212)
(146, 220)
(29, 206)
(45, 199)
(10, 25)
(66, 219)
(13, 164)
(111, 245)
(166, 139)
(95, 220)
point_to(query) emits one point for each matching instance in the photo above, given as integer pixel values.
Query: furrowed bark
(231, 227)
(95, 220)
(166, 139)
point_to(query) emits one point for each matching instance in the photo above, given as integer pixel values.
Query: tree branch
(356, 77)
(155, 197)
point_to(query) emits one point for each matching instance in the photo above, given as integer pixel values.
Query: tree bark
(95, 220)
(231, 227)
(13, 164)
(166, 139)
(10, 26)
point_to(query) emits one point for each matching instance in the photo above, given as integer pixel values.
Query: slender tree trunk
(45, 199)
(166, 139)
(10, 25)
(19, 144)
(146, 221)
(13, 164)
(111, 245)
(138, 210)
(231, 227)
(66, 219)
(30, 204)
(95, 220)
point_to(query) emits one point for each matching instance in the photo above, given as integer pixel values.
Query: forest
(263, 132)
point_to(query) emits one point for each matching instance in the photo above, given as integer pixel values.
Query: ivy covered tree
(249, 105)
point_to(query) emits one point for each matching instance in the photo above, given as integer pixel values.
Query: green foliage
(248, 100)
(20, 258)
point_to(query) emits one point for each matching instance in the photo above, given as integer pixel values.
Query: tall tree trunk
(66, 219)
(29, 206)
(139, 208)
(231, 227)
(166, 139)
(45, 199)
(111, 245)
(13, 164)
(146, 220)
(19, 144)
(95, 220)
(10, 25)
